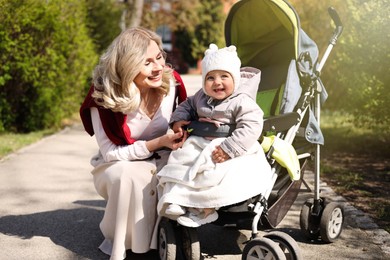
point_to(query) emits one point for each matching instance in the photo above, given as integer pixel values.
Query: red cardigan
(114, 123)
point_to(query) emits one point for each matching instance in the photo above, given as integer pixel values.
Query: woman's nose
(158, 65)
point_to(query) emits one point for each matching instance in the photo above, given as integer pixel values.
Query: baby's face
(219, 84)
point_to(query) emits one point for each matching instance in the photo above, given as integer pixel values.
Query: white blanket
(192, 179)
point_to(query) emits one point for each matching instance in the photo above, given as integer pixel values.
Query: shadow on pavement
(74, 229)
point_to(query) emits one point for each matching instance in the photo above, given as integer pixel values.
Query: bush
(46, 56)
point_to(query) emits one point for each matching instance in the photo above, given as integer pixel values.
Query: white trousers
(130, 217)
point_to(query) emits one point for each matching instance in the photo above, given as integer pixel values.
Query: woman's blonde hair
(114, 75)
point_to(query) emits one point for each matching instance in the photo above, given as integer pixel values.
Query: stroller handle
(337, 32)
(339, 26)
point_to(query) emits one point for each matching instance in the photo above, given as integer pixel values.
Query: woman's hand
(171, 140)
(219, 155)
(174, 141)
(178, 127)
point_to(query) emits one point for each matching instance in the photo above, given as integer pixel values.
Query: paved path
(49, 209)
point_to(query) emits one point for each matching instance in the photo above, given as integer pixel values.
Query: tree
(103, 21)
(131, 13)
(136, 6)
(209, 29)
(367, 61)
(194, 24)
(180, 18)
(357, 72)
(185, 20)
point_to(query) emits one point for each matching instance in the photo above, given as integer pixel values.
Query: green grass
(11, 142)
(355, 163)
(342, 133)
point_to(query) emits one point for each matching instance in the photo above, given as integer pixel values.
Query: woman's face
(219, 84)
(152, 70)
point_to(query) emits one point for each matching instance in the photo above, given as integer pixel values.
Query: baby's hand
(219, 155)
(209, 120)
(178, 126)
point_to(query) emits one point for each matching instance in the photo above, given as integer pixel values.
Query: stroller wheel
(331, 222)
(166, 240)
(288, 245)
(191, 245)
(262, 248)
(309, 223)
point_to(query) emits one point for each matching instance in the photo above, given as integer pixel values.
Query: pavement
(49, 209)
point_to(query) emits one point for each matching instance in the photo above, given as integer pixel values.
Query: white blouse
(142, 129)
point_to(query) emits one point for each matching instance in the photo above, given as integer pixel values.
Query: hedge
(46, 57)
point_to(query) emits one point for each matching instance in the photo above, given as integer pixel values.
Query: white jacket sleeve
(113, 152)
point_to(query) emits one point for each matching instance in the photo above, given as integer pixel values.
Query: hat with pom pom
(222, 59)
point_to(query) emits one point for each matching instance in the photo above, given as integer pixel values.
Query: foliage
(368, 59)
(103, 21)
(210, 27)
(357, 73)
(194, 24)
(177, 15)
(181, 21)
(184, 43)
(46, 56)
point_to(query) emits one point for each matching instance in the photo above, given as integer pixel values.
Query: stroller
(290, 94)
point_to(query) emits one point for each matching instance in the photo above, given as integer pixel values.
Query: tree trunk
(136, 7)
(122, 23)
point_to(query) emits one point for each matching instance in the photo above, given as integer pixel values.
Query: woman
(128, 109)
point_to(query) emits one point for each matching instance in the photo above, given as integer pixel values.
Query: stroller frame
(318, 219)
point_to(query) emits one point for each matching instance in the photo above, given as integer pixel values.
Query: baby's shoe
(175, 210)
(196, 220)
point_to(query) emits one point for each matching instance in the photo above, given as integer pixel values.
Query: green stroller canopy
(268, 36)
(264, 32)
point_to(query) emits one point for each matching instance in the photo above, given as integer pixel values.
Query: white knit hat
(221, 59)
